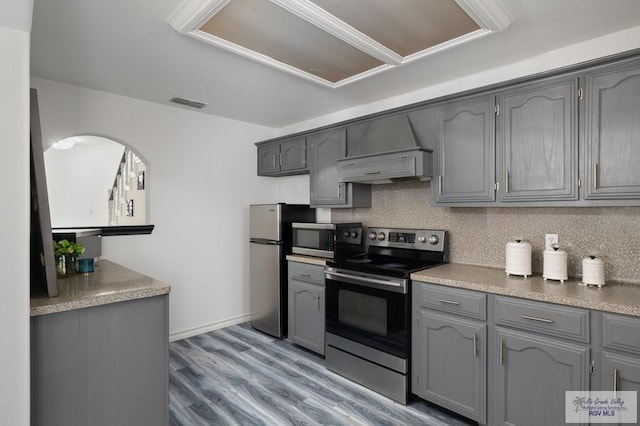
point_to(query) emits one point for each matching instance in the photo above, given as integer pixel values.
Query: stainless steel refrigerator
(269, 244)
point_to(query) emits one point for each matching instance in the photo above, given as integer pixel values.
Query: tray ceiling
(336, 42)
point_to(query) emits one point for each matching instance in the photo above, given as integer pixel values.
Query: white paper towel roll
(593, 271)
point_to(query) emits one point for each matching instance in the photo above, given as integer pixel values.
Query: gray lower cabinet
(523, 354)
(532, 374)
(620, 372)
(449, 355)
(612, 132)
(326, 190)
(465, 160)
(537, 139)
(281, 158)
(451, 365)
(306, 306)
(104, 365)
(620, 369)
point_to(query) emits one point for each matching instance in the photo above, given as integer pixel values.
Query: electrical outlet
(550, 240)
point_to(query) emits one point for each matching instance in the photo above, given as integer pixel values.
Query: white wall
(202, 177)
(14, 214)
(591, 49)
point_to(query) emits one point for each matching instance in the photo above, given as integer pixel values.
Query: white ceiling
(126, 47)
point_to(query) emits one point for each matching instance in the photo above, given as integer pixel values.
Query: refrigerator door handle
(265, 241)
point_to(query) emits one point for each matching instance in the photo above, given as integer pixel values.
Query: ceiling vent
(187, 102)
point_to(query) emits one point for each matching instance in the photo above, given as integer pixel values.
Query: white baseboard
(209, 327)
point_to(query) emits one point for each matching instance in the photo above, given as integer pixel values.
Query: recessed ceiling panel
(337, 42)
(404, 26)
(270, 30)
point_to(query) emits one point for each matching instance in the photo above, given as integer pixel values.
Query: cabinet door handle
(317, 301)
(440, 184)
(305, 274)
(548, 321)
(448, 302)
(475, 345)
(281, 159)
(595, 175)
(377, 172)
(274, 160)
(506, 181)
(615, 381)
(501, 352)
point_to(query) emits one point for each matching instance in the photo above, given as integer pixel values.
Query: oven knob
(346, 234)
(373, 235)
(422, 239)
(433, 240)
(354, 234)
(381, 236)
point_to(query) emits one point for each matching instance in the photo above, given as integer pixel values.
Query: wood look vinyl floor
(239, 376)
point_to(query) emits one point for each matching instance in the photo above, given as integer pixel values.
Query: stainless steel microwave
(328, 240)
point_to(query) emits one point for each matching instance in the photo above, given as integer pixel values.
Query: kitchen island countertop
(110, 283)
(616, 297)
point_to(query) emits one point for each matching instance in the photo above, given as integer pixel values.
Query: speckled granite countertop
(110, 283)
(614, 297)
(320, 261)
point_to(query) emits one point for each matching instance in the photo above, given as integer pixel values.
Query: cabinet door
(103, 365)
(466, 151)
(451, 363)
(306, 315)
(620, 372)
(613, 132)
(268, 159)
(293, 155)
(326, 148)
(532, 375)
(538, 140)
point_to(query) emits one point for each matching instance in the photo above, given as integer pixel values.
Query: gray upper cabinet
(281, 158)
(612, 132)
(465, 164)
(326, 190)
(269, 159)
(538, 141)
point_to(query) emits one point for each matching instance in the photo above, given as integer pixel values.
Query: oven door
(369, 309)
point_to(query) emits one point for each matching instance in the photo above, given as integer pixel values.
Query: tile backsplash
(478, 235)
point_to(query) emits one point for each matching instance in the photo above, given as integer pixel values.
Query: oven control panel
(417, 239)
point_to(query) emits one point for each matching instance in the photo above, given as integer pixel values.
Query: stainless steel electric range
(368, 305)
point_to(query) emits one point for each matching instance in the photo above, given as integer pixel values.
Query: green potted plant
(66, 254)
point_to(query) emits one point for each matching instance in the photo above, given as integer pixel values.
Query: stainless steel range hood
(388, 150)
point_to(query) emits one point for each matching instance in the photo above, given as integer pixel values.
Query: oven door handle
(398, 286)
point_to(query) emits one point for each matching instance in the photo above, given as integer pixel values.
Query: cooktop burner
(397, 252)
(359, 260)
(395, 265)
